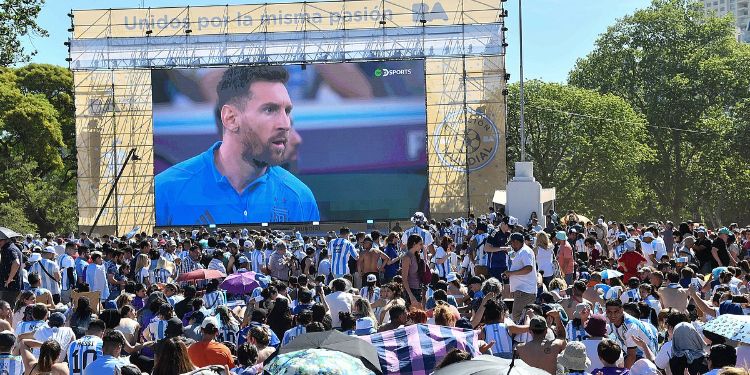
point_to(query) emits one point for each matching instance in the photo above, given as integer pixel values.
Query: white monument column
(524, 195)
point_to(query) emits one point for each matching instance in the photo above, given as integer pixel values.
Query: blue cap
(584, 276)
(561, 235)
(622, 237)
(242, 260)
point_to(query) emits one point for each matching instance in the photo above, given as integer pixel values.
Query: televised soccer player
(238, 179)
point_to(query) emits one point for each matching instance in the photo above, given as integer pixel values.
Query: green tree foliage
(583, 143)
(18, 19)
(685, 72)
(37, 149)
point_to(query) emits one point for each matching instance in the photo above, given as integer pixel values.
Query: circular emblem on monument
(469, 148)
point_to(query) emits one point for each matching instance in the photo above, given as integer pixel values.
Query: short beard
(259, 164)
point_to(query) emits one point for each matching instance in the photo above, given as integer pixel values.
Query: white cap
(512, 221)
(648, 234)
(371, 278)
(249, 244)
(210, 320)
(49, 249)
(451, 277)
(321, 242)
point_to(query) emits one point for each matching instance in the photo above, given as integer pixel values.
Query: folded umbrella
(240, 283)
(733, 327)
(316, 361)
(337, 341)
(201, 274)
(610, 274)
(490, 365)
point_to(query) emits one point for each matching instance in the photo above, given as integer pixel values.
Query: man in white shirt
(522, 275)
(56, 330)
(96, 275)
(339, 301)
(647, 246)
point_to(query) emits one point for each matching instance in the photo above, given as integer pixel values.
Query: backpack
(423, 271)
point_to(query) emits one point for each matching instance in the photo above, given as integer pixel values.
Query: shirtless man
(569, 303)
(368, 260)
(592, 293)
(541, 352)
(6, 317)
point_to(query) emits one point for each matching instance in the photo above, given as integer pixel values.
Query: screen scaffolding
(112, 52)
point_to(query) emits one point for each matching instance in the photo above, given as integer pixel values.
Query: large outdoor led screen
(326, 142)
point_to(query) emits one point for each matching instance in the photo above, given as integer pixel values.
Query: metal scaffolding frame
(112, 52)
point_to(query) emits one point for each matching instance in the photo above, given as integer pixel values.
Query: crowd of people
(573, 296)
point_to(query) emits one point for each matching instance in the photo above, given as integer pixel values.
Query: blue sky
(556, 32)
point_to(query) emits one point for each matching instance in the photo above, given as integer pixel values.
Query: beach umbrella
(240, 283)
(316, 361)
(733, 327)
(490, 365)
(337, 341)
(418, 348)
(610, 274)
(201, 274)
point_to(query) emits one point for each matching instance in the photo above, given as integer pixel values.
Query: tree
(37, 174)
(18, 19)
(685, 72)
(584, 144)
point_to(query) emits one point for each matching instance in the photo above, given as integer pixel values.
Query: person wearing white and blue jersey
(39, 320)
(9, 364)
(497, 328)
(257, 259)
(157, 329)
(67, 265)
(87, 349)
(341, 250)
(418, 219)
(49, 272)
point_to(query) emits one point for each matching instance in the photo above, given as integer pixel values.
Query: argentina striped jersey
(82, 352)
(11, 365)
(426, 235)
(341, 249)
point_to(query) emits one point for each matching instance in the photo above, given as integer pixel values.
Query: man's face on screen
(264, 123)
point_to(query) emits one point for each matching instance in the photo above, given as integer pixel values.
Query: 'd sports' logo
(382, 72)
(466, 141)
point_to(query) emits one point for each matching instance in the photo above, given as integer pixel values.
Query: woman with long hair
(280, 317)
(46, 363)
(391, 249)
(214, 296)
(410, 271)
(142, 264)
(26, 298)
(391, 294)
(443, 254)
(128, 324)
(544, 253)
(173, 358)
(457, 290)
(362, 309)
(81, 317)
(229, 325)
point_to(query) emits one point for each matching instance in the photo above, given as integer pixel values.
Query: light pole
(521, 99)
